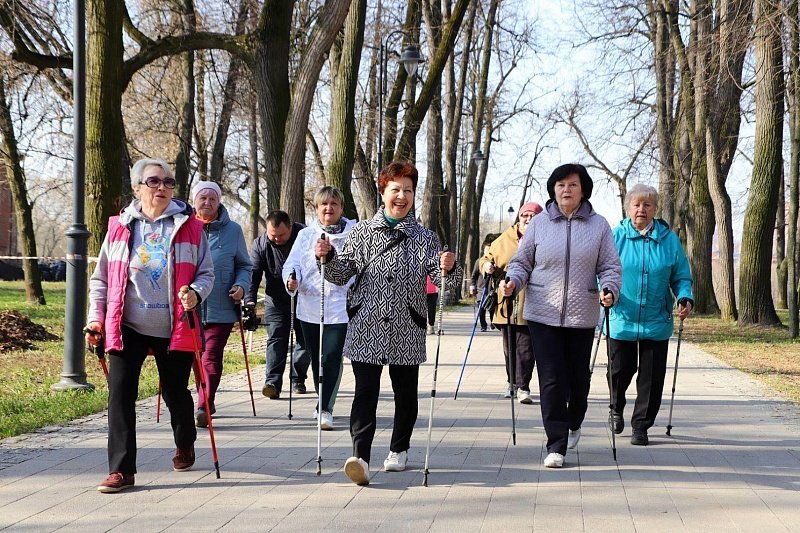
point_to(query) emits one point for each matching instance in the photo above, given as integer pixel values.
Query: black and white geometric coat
(389, 325)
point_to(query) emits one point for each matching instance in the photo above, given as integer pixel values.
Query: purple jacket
(564, 261)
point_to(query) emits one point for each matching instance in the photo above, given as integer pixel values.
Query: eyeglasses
(153, 182)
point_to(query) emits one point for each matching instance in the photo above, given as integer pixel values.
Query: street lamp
(510, 211)
(410, 58)
(73, 374)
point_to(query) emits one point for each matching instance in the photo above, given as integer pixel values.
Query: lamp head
(410, 59)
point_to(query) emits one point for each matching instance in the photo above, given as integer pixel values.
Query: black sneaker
(639, 437)
(616, 422)
(299, 388)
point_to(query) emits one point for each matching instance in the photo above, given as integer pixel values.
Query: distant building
(8, 220)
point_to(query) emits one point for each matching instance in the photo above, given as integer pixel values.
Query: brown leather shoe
(184, 459)
(115, 482)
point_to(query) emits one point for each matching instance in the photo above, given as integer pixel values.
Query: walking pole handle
(324, 258)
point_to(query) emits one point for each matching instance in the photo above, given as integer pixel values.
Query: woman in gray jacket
(564, 254)
(390, 255)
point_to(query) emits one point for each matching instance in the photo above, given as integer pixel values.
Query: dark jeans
(123, 388)
(365, 404)
(277, 322)
(525, 358)
(652, 362)
(562, 361)
(333, 336)
(216, 336)
(432, 299)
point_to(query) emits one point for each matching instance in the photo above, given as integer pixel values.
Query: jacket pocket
(417, 318)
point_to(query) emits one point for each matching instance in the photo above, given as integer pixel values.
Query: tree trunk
(781, 264)
(470, 208)
(664, 64)
(303, 89)
(104, 124)
(22, 208)
(433, 200)
(754, 271)
(343, 120)
(270, 68)
(413, 117)
(794, 164)
(454, 96)
(226, 112)
(255, 191)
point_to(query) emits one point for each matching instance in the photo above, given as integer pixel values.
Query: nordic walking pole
(292, 304)
(440, 313)
(190, 316)
(613, 403)
(512, 364)
(472, 336)
(675, 377)
(596, 349)
(319, 365)
(246, 362)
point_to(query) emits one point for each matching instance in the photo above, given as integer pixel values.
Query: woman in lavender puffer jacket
(567, 253)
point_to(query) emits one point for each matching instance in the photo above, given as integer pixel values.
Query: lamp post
(410, 58)
(510, 211)
(73, 374)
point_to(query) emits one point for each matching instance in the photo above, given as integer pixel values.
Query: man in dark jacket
(268, 254)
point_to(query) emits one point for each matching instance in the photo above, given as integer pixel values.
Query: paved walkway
(731, 464)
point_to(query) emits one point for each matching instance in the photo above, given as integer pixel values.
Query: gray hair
(327, 193)
(640, 190)
(137, 171)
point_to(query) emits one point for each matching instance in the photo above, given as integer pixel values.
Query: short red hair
(395, 170)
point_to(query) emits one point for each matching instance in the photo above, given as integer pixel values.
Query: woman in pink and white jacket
(154, 264)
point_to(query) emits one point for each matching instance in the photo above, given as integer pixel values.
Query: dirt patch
(18, 331)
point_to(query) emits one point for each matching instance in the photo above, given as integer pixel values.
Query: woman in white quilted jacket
(329, 203)
(390, 256)
(567, 256)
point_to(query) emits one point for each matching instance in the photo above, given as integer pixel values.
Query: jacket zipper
(641, 290)
(566, 272)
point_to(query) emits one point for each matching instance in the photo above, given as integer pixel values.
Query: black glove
(250, 320)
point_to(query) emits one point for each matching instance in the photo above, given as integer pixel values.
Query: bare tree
(19, 193)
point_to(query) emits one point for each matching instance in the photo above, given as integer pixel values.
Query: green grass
(26, 399)
(764, 352)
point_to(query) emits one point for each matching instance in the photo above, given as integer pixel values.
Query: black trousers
(652, 365)
(123, 388)
(562, 357)
(525, 356)
(405, 380)
(432, 299)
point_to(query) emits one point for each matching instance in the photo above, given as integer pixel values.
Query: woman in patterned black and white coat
(391, 255)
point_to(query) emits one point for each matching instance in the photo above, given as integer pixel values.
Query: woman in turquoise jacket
(654, 271)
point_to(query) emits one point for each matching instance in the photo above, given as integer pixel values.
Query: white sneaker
(327, 421)
(509, 392)
(430, 330)
(314, 416)
(574, 437)
(357, 470)
(554, 460)
(395, 462)
(524, 396)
